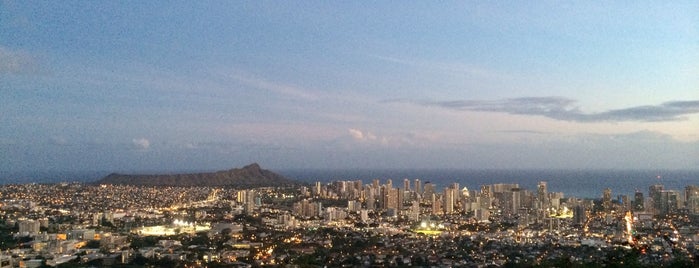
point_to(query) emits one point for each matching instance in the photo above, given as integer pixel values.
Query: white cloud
(141, 144)
(356, 134)
(361, 135)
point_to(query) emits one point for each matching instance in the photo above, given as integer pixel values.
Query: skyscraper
(542, 195)
(429, 191)
(669, 202)
(654, 195)
(607, 200)
(691, 194)
(638, 201)
(449, 194)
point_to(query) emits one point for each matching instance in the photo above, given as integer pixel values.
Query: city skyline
(214, 85)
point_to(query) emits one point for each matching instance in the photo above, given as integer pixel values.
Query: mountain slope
(247, 177)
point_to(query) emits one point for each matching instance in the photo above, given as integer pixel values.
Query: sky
(211, 85)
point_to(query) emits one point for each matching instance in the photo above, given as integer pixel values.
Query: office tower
(506, 201)
(436, 204)
(486, 190)
(638, 201)
(250, 196)
(358, 185)
(406, 185)
(607, 200)
(428, 191)
(624, 201)
(654, 195)
(391, 198)
(418, 186)
(691, 194)
(555, 199)
(542, 195)
(504, 187)
(449, 200)
(241, 197)
(317, 189)
(579, 215)
(669, 202)
(415, 211)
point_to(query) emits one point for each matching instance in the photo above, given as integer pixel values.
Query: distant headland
(249, 176)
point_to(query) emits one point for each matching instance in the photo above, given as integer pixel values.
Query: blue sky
(207, 85)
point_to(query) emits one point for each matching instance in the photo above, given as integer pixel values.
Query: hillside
(247, 177)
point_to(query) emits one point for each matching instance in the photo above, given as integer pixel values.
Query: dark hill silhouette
(249, 176)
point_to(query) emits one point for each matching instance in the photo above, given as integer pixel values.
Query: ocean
(573, 183)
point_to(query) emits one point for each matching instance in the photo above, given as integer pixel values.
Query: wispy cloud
(455, 68)
(283, 89)
(16, 61)
(394, 140)
(361, 136)
(141, 144)
(565, 109)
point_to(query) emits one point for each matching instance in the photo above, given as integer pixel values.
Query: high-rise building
(542, 195)
(449, 194)
(428, 191)
(691, 194)
(418, 186)
(504, 187)
(250, 196)
(370, 197)
(638, 201)
(317, 189)
(579, 215)
(415, 211)
(406, 185)
(391, 198)
(607, 200)
(654, 195)
(486, 190)
(669, 202)
(436, 204)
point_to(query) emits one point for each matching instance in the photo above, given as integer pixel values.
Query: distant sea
(573, 183)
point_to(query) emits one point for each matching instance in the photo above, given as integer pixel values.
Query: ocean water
(573, 183)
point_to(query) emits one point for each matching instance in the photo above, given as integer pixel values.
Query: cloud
(356, 134)
(394, 140)
(564, 109)
(287, 90)
(141, 144)
(16, 62)
(455, 68)
(361, 136)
